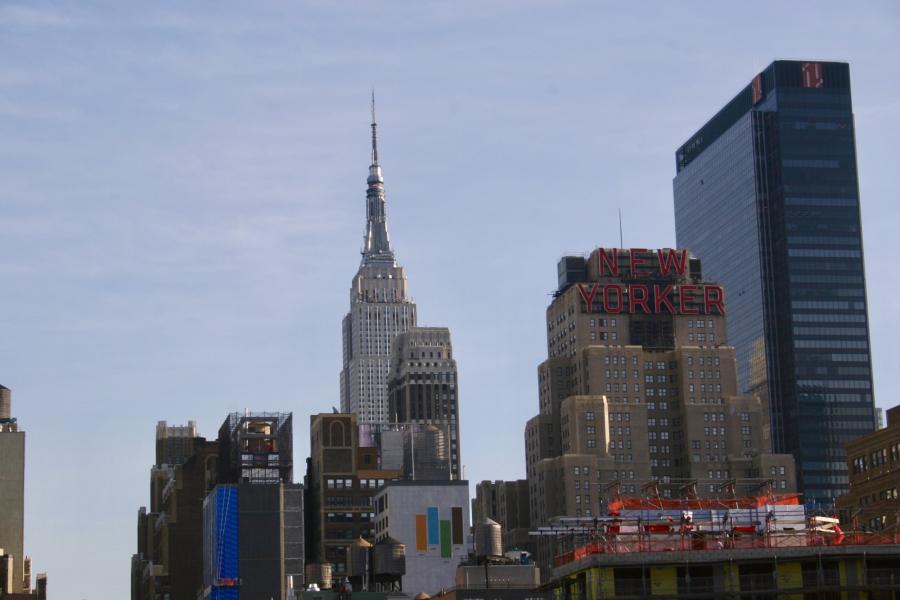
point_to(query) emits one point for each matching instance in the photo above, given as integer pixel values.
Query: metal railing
(669, 541)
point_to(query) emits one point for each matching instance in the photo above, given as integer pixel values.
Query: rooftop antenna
(621, 243)
(374, 135)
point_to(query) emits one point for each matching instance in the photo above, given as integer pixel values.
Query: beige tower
(12, 490)
(639, 392)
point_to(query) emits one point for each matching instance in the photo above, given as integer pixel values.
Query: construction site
(766, 546)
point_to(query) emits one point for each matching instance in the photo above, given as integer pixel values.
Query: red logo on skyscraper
(812, 75)
(756, 89)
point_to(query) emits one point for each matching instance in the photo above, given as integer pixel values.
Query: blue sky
(182, 203)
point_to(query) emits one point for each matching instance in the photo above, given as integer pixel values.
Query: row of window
(700, 323)
(602, 322)
(830, 331)
(710, 444)
(707, 417)
(834, 240)
(347, 484)
(876, 458)
(700, 337)
(832, 344)
(834, 384)
(824, 253)
(846, 202)
(820, 304)
(709, 458)
(705, 387)
(366, 517)
(820, 278)
(709, 360)
(705, 374)
(619, 360)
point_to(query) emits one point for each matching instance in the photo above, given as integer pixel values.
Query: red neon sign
(633, 298)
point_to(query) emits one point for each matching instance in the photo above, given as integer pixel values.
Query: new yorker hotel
(640, 386)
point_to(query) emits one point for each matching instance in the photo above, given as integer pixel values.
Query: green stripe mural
(446, 549)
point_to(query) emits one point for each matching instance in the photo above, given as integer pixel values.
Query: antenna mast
(621, 243)
(374, 135)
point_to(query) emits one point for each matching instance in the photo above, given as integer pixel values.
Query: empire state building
(379, 309)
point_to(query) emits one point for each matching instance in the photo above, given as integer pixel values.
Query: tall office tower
(379, 309)
(253, 518)
(168, 560)
(766, 193)
(423, 389)
(12, 492)
(638, 393)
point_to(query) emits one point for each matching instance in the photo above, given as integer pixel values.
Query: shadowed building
(505, 502)
(170, 542)
(12, 495)
(253, 544)
(423, 389)
(342, 477)
(873, 502)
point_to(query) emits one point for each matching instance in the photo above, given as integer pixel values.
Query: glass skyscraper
(766, 194)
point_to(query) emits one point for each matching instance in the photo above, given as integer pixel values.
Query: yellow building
(848, 572)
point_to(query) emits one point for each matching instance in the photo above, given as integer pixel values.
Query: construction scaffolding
(652, 524)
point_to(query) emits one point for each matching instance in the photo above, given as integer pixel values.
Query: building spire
(376, 244)
(374, 132)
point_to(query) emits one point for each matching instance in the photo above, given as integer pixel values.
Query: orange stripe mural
(421, 534)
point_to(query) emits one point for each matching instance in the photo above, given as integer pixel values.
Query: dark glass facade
(766, 194)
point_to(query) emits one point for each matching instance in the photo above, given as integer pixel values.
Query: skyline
(185, 192)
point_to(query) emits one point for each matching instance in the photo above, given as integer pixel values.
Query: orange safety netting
(620, 504)
(687, 542)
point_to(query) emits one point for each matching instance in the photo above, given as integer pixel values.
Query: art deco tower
(379, 309)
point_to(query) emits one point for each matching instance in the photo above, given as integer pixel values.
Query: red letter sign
(685, 298)
(666, 262)
(607, 304)
(611, 263)
(718, 301)
(636, 299)
(661, 298)
(588, 297)
(636, 260)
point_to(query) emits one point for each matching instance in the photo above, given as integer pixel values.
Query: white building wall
(399, 505)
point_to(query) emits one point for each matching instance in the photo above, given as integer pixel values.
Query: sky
(182, 192)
